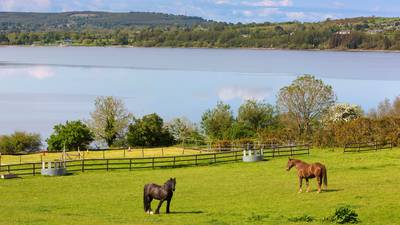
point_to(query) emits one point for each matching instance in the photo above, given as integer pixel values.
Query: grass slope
(239, 193)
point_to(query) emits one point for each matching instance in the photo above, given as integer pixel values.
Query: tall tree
(305, 101)
(256, 115)
(149, 131)
(109, 120)
(217, 122)
(72, 135)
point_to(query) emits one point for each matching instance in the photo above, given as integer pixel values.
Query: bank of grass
(236, 193)
(147, 152)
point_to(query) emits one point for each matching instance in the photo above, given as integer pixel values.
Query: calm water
(43, 86)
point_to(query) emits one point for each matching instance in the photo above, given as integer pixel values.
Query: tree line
(367, 33)
(305, 111)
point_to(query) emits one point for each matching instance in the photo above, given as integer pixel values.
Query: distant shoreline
(211, 48)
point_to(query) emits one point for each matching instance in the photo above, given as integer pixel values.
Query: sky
(222, 10)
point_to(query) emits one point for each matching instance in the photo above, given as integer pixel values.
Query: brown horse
(307, 171)
(162, 193)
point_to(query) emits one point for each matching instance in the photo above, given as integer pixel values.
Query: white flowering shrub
(345, 112)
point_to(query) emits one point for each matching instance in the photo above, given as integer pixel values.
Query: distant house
(376, 31)
(344, 32)
(68, 41)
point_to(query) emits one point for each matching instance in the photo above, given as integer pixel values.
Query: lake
(43, 86)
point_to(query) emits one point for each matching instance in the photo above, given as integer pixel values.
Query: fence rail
(155, 162)
(367, 146)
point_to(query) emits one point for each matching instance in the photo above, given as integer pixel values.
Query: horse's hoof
(151, 213)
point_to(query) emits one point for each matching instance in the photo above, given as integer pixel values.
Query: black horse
(162, 193)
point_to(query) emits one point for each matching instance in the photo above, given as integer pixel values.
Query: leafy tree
(20, 142)
(256, 115)
(149, 131)
(305, 101)
(73, 135)
(109, 120)
(217, 122)
(182, 129)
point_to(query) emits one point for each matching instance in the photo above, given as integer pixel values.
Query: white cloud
(269, 3)
(25, 5)
(339, 4)
(223, 2)
(296, 15)
(37, 72)
(243, 93)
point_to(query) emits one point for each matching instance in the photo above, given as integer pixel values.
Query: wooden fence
(367, 146)
(156, 162)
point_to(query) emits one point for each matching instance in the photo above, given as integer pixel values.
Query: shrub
(344, 215)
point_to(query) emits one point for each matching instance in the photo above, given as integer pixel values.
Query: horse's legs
(300, 184)
(319, 181)
(168, 202)
(148, 206)
(308, 185)
(159, 206)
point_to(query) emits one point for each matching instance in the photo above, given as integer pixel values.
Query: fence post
(33, 169)
(107, 164)
(291, 150)
(174, 162)
(153, 162)
(83, 165)
(308, 149)
(8, 168)
(104, 154)
(130, 164)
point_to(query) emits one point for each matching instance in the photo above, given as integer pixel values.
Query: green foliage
(73, 135)
(218, 121)
(344, 215)
(257, 115)
(164, 30)
(20, 142)
(149, 131)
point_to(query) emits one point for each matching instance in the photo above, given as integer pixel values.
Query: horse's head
(172, 183)
(290, 164)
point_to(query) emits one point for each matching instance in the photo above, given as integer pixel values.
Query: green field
(236, 193)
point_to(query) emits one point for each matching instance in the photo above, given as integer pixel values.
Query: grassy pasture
(236, 193)
(148, 152)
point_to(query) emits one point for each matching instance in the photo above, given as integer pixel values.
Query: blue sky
(222, 10)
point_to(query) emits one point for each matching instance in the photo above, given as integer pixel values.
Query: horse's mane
(298, 161)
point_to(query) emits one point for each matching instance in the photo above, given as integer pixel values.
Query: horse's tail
(145, 199)
(325, 178)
